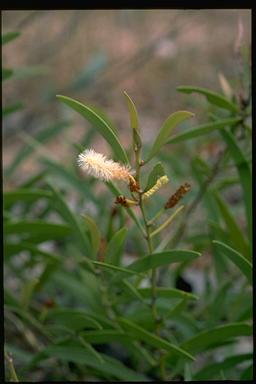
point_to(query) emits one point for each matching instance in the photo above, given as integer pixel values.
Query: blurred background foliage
(93, 56)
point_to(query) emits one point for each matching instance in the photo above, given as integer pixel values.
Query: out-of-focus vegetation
(78, 294)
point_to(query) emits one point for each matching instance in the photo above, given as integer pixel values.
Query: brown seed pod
(122, 201)
(175, 198)
(133, 185)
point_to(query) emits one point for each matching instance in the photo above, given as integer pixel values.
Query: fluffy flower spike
(97, 165)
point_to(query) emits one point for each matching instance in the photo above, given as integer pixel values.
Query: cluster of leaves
(77, 308)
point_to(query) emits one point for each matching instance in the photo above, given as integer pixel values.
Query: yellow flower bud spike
(160, 182)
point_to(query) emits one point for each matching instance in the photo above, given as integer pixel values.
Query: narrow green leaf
(239, 260)
(203, 130)
(9, 36)
(211, 371)
(177, 309)
(25, 195)
(114, 248)
(104, 117)
(75, 319)
(167, 293)
(170, 123)
(15, 248)
(244, 172)
(90, 348)
(220, 333)
(167, 222)
(133, 112)
(115, 268)
(94, 232)
(233, 228)
(154, 175)
(140, 334)
(160, 259)
(101, 125)
(132, 291)
(212, 97)
(104, 336)
(110, 367)
(37, 230)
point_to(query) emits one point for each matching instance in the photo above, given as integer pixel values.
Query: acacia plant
(89, 311)
(95, 164)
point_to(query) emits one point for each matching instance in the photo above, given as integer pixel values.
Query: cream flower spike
(97, 165)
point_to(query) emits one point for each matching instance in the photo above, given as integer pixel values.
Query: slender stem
(153, 286)
(167, 222)
(157, 215)
(147, 225)
(150, 248)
